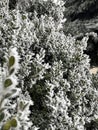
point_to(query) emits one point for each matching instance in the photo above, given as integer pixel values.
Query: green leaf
(13, 122)
(6, 126)
(23, 17)
(1, 116)
(11, 61)
(0, 16)
(7, 83)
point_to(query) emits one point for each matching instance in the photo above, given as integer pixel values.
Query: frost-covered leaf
(1, 116)
(7, 95)
(12, 71)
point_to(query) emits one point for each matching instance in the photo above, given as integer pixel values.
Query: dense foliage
(53, 75)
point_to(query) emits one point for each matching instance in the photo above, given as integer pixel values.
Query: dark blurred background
(82, 18)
